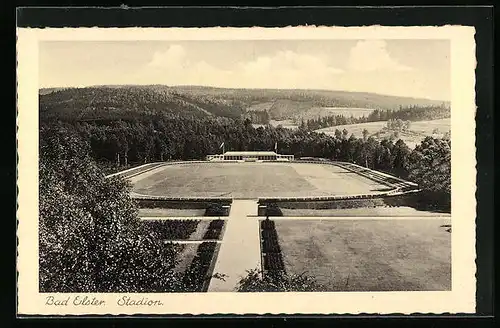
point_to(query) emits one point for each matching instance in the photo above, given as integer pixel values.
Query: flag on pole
(221, 145)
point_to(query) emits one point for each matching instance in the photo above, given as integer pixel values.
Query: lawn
(186, 257)
(361, 212)
(200, 230)
(369, 255)
(252, 180)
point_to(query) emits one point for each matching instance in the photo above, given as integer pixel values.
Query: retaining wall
(180, 203)
(328, 204)
(128, 173)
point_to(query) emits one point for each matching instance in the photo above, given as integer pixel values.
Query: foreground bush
(90, 238)
(429, 165)
(256, 281)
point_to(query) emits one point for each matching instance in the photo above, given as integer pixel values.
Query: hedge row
(216, 209)
(197, 274)
(214, 229)
(171, 229)
(272, 209)
(273, 258)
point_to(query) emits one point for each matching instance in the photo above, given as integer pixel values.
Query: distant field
(261, 106)
(356, 129)
(424, 128)
(252, 180)
(369, 255)
(288, 111)
(288, 124)
(316, 112)
(427, 127)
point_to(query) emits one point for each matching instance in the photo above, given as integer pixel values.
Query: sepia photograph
(245, 166)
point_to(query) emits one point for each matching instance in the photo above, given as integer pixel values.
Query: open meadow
(316, 112)
(418, 130)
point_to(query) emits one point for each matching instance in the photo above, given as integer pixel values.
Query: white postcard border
(461, 299)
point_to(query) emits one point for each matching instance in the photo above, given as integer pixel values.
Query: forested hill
(128, 101)
(319, 97)
(111, 102)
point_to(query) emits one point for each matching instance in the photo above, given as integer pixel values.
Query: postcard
(297, 170)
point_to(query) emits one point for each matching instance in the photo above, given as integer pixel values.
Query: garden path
(240, 247)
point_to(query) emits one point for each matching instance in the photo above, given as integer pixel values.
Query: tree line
(331, 120)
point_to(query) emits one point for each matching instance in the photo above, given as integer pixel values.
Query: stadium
(239, 211)
(257, 175)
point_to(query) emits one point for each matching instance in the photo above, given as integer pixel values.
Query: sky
(411, 68)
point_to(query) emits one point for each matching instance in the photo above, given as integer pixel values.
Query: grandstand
(250, 156)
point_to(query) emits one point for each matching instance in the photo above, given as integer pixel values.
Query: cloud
(283, 69)
(174, 56)
(372, 55)
(288, 61)
(287, 69)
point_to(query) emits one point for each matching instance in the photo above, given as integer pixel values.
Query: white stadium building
(250, 156)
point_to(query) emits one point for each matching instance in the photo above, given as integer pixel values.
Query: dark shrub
(196, 275)
(273, 210)
(216, 224)
(215, 209)
(214, 229)
(171, 229)
(212, 234)
(267, 224)
(278, 281)
(270, 246)
(269, 234)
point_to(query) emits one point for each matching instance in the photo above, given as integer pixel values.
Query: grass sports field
(369, 255)
(252, 180)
